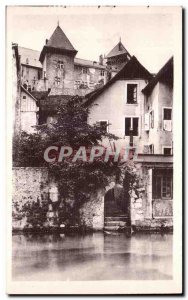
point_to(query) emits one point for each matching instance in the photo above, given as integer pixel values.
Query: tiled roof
(51, 102)
(165, 74)
(59, 40)
(59, 43)
(117, 50)
(30, 57)
(132, 70)
(33, 59)
(88, 63)
(40, 94)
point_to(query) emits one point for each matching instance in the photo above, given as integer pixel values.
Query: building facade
(130, 102)
(137, 108)
(57, 69)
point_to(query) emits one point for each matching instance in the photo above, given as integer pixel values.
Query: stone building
(137, 107)
(57, 69)
(131, 103)
(16, 90)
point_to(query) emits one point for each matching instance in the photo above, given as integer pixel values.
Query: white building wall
(28, 113)
(112, 105)
(161, 96)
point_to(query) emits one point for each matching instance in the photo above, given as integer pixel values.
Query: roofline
(47, 49)
(90, 66)
(28, 93)
(15, 46)
(155, 79)
(31, 66)
(29, 48)
(127, 52)
(96, 93)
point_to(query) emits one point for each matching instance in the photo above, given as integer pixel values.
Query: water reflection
(92, 257)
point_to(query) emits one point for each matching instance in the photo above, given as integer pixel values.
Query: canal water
(94, 256)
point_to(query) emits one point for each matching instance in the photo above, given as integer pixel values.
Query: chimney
(101, 60)
(46, 41)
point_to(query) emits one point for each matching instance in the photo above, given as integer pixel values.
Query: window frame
(168, 147)
(161, 176)
(107, 121)
(57, 81)
(163, 108)
(126, 90)
(131, 117)
(84, 70)
(151, 119)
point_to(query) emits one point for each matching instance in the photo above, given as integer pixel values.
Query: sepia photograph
(94, 111)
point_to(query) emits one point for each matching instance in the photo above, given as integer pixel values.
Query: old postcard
(94, 143)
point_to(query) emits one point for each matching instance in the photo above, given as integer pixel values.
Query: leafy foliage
(76, 180)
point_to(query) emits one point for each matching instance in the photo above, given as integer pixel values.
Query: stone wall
(29, 184)
(92, 212)
(34, 184)
(142, 217)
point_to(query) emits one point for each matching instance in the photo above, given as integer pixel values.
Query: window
(57, 81)
(151, 119)
(103, 124)
(167, 119)
(24, 97)
(131, 93)
(162, 184)
(102, 72)
(27, 61)
(60, 64)
(151, 149)
(167, 114)
(77, 68)
(167, 151)
(131, 126)
(85, 70)
(38, 75)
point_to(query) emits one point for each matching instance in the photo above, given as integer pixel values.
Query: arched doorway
(116, 209)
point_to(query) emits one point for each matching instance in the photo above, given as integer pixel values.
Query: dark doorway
(115, 203)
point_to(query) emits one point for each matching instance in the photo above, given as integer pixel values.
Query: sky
(94, 31)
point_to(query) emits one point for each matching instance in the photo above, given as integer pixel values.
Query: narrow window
(151, 149)
(84, 70)
(57, 81)
(131, 93)
(131, 126)
(60, 64)
(151, 119)
(38, 75)
(167, 119)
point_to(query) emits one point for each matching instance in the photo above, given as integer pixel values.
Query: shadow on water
(94, 256)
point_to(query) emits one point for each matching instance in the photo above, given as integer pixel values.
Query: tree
(76, 180)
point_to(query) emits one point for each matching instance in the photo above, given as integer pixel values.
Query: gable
(132, 70)
(28, 104)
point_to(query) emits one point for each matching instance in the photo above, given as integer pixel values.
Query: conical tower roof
(118, 50)
(59, 42)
